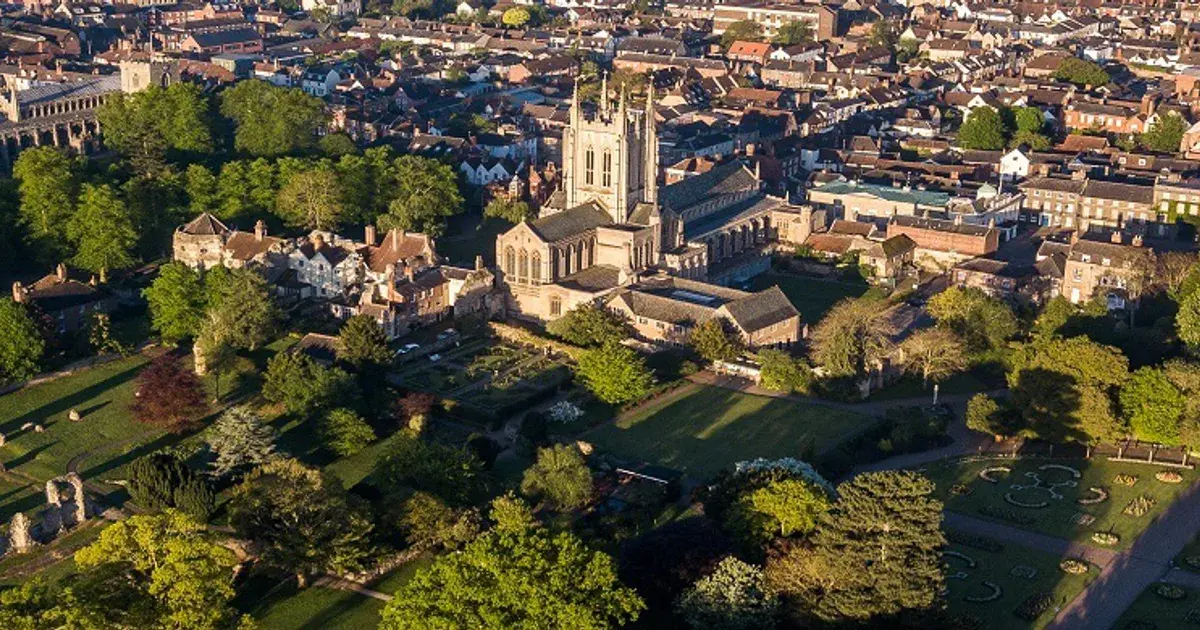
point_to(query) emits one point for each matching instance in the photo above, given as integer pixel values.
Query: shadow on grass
(130, 455)
(28, 456)
(66, 403)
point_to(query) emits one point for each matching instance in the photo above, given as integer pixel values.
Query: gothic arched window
(535, 271)
(510, 261)
(589, 167)
(523, 265)
(606, 169)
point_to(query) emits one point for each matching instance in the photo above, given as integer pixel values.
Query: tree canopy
(158, 123)
(240, 440)
(589, 325)
(1165, 133)
(850, 337)
(362, 343)
(1064, 388)
(794, 32)
(732, 597)
(1153, 406)
(741, 31)
(560, 477)
(311, 199)
(1081, 72)
(614, 373)
(426, 195)
(21, 344)
(176, 300)
(934, 354)
(717, 340)
(48, 181)
(102, 230)
(270, 120)
(169, 396)
(983, 322)
(982, 130)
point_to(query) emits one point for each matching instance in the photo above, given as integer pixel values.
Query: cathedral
(611, 225)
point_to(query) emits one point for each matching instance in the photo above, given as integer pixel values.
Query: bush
(1139, 506)
(1034, 606)
(161, 481)
(1169, 591)
(975, 542)
(1005, 514)
(1107, 539)
(533, 427)
(1073, 567)
(688, 368)
(484, 448)
(344, 433)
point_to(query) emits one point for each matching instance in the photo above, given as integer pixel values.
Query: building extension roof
(890, 193)
(570, 222)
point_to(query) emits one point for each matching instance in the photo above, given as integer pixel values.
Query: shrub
(1140, 506)
(533, 427)
(161, 481)
(1125, 480)
(1034, 606)
(975, 542)
(1107, 539)
(688, 368)
(1169, 591)
(344, 433)
(1168, 476)
(1005, 514)
(1073, 566)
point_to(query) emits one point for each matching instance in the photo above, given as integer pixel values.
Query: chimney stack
(397, 237)
(18, 292)
(260, 230)
(61, 272)
(1136, 241)
(1116, 237)
(958, 219)
(369, 235)
(317, 240)
(478, 262)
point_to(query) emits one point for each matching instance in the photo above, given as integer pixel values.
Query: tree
(851, 336)
(1029, 119)
(934, 353)
(162, 571)
(663, 562)
(304, 522)
(741, 31)
(488, 585)
(362, 343)
(1177, 273)
(560, 477)
(509, 210)
(983, 130)
(21, 344)
(336, 145)
(48, 181)
(883, 35)
(516, 17)
(234, 191)
(344, 433)
(428, 522)
(149, 125)
(240, 440)
(984, 415)
(733, 597)
(1153, 406)
(794, 32)
(780, 372)
(160, 481)
(240, 308)
(1082, 73)
(305, 387)
(426, 195)
(36, 603)
(1165, 133)
(270, 120)
(202, 189)
(614, 373)
(717, 340)
(875, 555)
(776, 508)
(1187, 321)
(1063, 387)
(168, 396)
(453, 474)
(1033, 141)
(176, 301)
(102, 230)
(983, 322)
(311, 199)
(590, 325)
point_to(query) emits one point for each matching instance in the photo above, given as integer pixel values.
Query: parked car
(435, 357)
(408, 348)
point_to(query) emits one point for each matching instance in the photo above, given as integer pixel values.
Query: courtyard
(813, 297)
(1095, 501)
(701, 430)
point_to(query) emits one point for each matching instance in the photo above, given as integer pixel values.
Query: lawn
(479, 238)
(1192, 550)
(108, 431)
(1019, 573)
(811, 296)
(701, 430)
(283, 607)
(390, 582)
(1155, 611)
(1060, 493)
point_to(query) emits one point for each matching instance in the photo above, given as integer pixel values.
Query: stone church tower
(611, 155)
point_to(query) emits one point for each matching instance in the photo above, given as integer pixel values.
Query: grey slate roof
(47, 93)
(570, 222)
(593, 279)
(762, 309)
(722, 180)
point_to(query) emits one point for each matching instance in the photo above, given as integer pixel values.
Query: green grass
(909, 387)
(1056, 518)
(810, 296)
(108, 431)
(390, 582)
(461, 249)
(283, 607)
(1163, 613)
(1191, 550)
(996, 567)
(701, 430)
(361, 465)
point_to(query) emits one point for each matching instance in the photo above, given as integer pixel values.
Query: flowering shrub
(1139, 506)
(789, 464)
(960, 490)
(1125, 480)
(1107, 539)
(1168, 476)
(1073, 566)
(563, 412)
(1169, 591)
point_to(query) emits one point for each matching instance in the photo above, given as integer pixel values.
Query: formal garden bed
(700, 430)
(1074, 499)
(1162, 607)
(1002, 586)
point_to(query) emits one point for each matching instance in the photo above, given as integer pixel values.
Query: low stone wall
(517, 334)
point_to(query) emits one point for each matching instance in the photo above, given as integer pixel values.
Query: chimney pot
(1116, 237)
(260, 230)
(18, 292)
(61, 272)
(369, 235)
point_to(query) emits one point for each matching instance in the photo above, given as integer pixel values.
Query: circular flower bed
(989, 474)
(1100, 495)
(1168, 476)
(993, 595)
(1067, 469)
(960, 490)
(1193, 562)
(1072, 566)
(1107, 539)
(961, 556)
(1008, 497)
(1169, 591)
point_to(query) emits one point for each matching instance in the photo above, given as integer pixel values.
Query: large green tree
(794, 32)
(1082, 73)
(1165, 133)
(741, 31)
(782, 372)
(511, 210)
(1064, 388)
(453, 474)
(149, 126)
(732, 597)
(102, 230)
(426, 194)
(1153, 406)
(851, 336)
(344, 432)
(429, 522)
(560, 477)
(305, 387)
(271, 120)
(48, 181)
(21, 344)
(1187, 321)
(614, 373)
(304, 522)
(934, 354)
(160, 571)
(983, 129)
(239, 441)
(983, 322)
(240, 307)
(176, 300)
(590, 325)
(362, 343)
(717, 340)
(311, 199)
(875, 555)
(516, 575)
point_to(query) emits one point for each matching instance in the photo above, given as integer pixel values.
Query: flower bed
(1125, 480)
(1034, 606)
(1193, 562)
(971, 564)
(1169, 591)
(1140, 506)
(989, 474)
(960, 490)
(973, 541)
(1006, 514)
(1008, 498)
(1075, 474)
(993, 595)
(1107, 539)
(1100, 495)
(1168, 476)
(1023, 571)
(1073, 566)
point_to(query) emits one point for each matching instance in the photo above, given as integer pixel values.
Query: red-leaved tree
(413, 404)
(169, 396)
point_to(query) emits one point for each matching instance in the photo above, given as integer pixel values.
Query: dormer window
(1086, 258)
(1106, 262)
